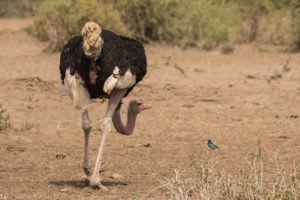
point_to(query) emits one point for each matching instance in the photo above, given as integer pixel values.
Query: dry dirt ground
(235, 100)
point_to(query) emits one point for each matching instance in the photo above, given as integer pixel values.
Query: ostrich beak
(143, 106)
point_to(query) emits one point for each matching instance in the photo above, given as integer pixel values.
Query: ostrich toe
(95, 182)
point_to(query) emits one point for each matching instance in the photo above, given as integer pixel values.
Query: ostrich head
(136, 106)
(92, 41)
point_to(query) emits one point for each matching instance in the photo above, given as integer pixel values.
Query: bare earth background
(231, 99)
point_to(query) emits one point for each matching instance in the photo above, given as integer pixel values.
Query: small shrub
(4, 120)
(59, 20)
(227, 48)
(294, 44)
(182, 22)
(19, 8)
(286, 67)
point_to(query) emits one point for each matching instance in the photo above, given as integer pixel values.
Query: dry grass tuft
(208, 183)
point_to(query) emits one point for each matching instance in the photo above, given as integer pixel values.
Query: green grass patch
(30, 125)
(181, 70)
(4, 120)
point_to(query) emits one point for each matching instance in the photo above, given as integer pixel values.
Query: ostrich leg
(114, 99)
(86, 126)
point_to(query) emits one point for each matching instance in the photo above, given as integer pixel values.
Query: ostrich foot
(87, 169)
(95, 178)
(86, 179)
(95, 182)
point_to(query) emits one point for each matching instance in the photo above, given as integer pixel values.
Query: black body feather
(117, 50)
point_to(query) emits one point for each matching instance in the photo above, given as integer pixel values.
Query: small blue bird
(211, 145)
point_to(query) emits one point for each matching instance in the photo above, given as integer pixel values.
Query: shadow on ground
(82, 184)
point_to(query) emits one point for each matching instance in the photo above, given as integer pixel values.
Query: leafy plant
(4, 120)
(286, 67)
(182, 72)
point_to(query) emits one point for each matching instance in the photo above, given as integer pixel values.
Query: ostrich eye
(139, 103)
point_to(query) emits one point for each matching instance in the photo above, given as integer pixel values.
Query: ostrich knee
(105, 125)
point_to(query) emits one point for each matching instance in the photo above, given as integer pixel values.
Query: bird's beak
(144, 106)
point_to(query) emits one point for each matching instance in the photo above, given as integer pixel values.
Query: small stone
(10, 148)
(60, 156)
(116, 176)
(188, 106)
(250, 77)
(65, 189)
(147, 145)
(199, 70)
(275, 76)
(20, 149)
(283, 137)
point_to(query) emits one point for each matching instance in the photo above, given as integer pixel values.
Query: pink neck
(128, 129)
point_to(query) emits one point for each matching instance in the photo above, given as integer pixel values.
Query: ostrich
(101, 64)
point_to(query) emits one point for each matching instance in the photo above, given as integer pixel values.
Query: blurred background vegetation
(185, 23)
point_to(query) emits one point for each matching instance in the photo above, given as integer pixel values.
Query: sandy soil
(235, 100)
